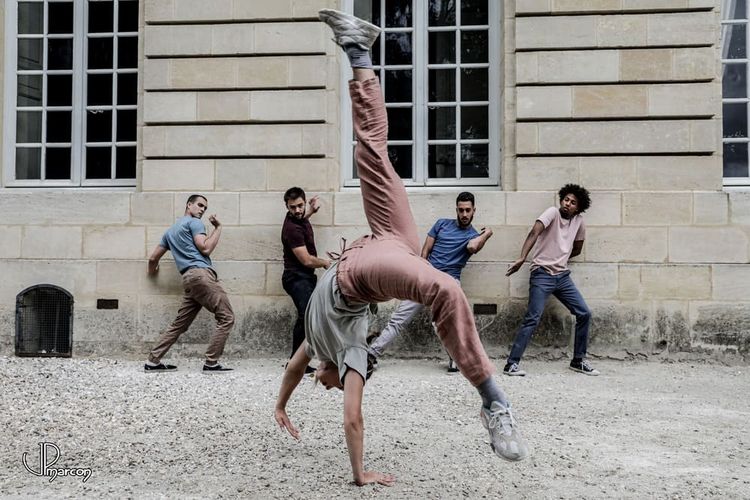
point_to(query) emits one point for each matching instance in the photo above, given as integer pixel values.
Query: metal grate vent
(44, 322)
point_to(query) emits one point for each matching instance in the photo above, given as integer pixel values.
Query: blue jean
(541, 286)
(300, 287)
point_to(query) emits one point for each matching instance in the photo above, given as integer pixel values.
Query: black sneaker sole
(160, 371)
(211, 372)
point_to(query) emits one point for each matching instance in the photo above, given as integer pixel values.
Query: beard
(468, 223)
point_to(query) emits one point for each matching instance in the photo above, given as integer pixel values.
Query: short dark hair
(581, 194)
(465, 196)
(293, 193)
(193, 197)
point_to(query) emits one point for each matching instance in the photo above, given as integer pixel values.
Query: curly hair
(581, 194)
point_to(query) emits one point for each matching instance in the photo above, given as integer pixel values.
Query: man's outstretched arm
(153, 260)
(528, 244)
(476, 244)
(295, 370)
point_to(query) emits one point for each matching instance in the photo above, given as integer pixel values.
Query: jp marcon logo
(49, 454)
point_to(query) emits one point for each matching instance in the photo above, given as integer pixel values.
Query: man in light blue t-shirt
(448, 246)
(191, 248)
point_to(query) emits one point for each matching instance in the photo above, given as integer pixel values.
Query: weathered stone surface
(49, 242)
(721, 325)
(65, 207)
(651, 208)
(708, 244)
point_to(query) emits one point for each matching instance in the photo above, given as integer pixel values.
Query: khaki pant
(201, 289)
(387, 264)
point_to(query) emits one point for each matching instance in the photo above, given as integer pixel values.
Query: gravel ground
(642, 429)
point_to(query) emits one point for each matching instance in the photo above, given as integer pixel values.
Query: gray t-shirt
(336, 331)
(178, 239)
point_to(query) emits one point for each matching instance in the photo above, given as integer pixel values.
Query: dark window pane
(475, 160)
(474, 84)
(734, 83)
(28, 126)
(30, 18)
(59, 125)
(127, 19)
(474, 12)
(397, 13)
(99, 90)
(369, 10)
(734, 39)
(57, 163)
(735, 160)
(735, 119)
(441, 123)
(100, 53)
(442, 13)
(30, 54)
(474, 123)
(98, 163)
(442, 47)
(126, 125)
(441, 161)
(125, 163)
(60, 17)
(474, 47)
(98, 126)
(60, 53)
(398, 86)
(400, 157)
(442, 85)
(100, 17)
(127, 88)
(375, 53)
(29, 90)
(28, 163)
(59, 90)
(740, 9)
(399, 124)
(398, 48)
(127, 52)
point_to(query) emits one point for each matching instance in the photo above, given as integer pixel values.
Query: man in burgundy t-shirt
(300, 258)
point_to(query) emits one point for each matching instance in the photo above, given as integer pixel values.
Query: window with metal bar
(71, 92)
(734, 59)
(438, 63)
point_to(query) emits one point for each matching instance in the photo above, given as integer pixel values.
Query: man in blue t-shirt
(448, 246)
(191, 248)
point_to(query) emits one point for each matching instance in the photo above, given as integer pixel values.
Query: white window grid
(79, 95)
(725, 23)
(420, 67)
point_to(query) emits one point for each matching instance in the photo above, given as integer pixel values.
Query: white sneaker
(349, 30)
(505, 439)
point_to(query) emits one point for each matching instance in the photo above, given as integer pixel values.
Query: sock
(151, 363)
(358, 58)
(490, 391)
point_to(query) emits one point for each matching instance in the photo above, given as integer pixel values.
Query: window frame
(736, 182)
(78, 101)
(420, 82)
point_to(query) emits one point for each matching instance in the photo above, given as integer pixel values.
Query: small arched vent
(44, 322)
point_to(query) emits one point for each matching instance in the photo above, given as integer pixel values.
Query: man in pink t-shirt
(557, 236)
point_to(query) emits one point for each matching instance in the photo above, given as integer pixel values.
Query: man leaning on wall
(191, 248)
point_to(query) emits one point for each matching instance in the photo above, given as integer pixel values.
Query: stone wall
(240, 100)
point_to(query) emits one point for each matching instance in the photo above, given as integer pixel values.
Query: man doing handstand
(380, 267)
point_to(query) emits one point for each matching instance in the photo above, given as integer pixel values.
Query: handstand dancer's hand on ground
(284, 423)
(370, 477)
